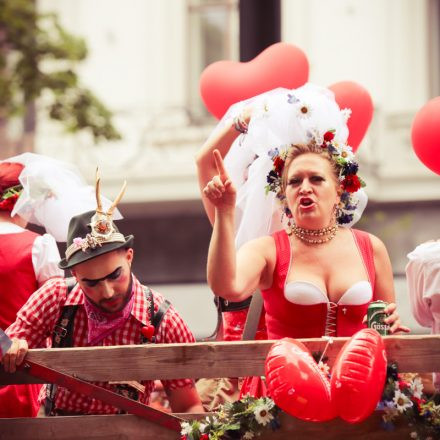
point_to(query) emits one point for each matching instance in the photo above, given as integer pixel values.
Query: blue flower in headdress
(345, 218)
(292, 99)
(332, 149)
(345, 197)
(273, 153)
(350, 168)
(272, 176)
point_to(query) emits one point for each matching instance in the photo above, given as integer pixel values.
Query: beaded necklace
(303, 234)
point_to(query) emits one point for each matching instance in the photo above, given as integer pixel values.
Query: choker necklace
(303, 234)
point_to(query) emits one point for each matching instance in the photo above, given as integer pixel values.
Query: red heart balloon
(295, 382)
(349, 94)
(224, 83)
(425, 134)
(358, 376)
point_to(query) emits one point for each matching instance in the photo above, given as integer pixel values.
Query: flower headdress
(280, 118)
(340, 154)
(10, 197)
(10, 186)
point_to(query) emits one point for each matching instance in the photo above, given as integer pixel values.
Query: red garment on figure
(233, 325)
(286, 319)
(17, 283)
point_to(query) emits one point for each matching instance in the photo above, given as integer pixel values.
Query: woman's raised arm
(221, 141)
(230, 275)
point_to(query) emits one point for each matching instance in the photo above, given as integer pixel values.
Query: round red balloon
(349, 94)
(358, 376)
(425, 134)
(295, 382)
(224, 83)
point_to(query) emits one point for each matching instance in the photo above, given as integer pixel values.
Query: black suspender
(62, 337)
(63, 331)
(156, 317)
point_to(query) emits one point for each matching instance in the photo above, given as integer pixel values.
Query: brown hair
(300, 149)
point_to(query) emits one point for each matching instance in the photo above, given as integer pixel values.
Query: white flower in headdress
(304, 111)
(346, 113)
(346, 152)
(248, 435)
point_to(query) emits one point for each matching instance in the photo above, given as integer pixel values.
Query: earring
(337, 211)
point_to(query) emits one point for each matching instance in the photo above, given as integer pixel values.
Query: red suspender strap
(283, 254)
(366, 249)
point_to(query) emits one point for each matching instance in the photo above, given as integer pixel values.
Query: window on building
(434, 47)
(213, 28)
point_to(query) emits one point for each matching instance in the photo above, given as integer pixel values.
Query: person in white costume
(423, 280)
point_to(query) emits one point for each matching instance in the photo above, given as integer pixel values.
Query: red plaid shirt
(37, 318)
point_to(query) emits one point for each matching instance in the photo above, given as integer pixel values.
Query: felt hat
(93, 233)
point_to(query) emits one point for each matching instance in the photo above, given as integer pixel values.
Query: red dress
(288, 319)
(285, 318)
(17, 283)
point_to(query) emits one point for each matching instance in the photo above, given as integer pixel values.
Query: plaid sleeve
(173, 329)
(36, 319)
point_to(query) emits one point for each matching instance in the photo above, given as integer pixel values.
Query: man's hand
(15, 355)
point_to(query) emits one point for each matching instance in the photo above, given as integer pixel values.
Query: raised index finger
(219, 164)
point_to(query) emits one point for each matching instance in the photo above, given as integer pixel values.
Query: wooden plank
(109, 427)
(337, 429)
(133, 428)
(418, 353)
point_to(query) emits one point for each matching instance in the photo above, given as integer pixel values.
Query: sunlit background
(144, 61)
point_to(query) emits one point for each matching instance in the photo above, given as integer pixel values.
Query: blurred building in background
(145, 60)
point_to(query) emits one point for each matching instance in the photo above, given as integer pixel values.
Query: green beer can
(376, 316)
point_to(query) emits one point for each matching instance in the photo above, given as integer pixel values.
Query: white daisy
(186, 428)
(346, 152)
(262, 414)
(416, 386)
(248, 435)
(402, 402)
(304, 111)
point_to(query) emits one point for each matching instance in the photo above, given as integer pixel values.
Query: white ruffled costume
(53, 193)
(423, 280)
(277, 121)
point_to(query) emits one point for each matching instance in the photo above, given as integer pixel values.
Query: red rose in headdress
(278, 164)
(329, 136)
(8, 204)
(351, 183)
(9, 174)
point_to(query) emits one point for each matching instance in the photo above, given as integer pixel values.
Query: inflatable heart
(349, 94)
(358, 376)
(425, 134)
(224, 83)
(295, 382)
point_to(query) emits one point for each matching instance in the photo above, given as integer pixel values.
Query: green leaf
(41, 57)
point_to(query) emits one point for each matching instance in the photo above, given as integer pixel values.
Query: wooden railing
(206, 359)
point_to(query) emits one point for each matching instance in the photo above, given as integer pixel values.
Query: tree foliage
(38, 58)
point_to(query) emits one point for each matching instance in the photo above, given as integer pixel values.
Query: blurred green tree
(38, 59)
